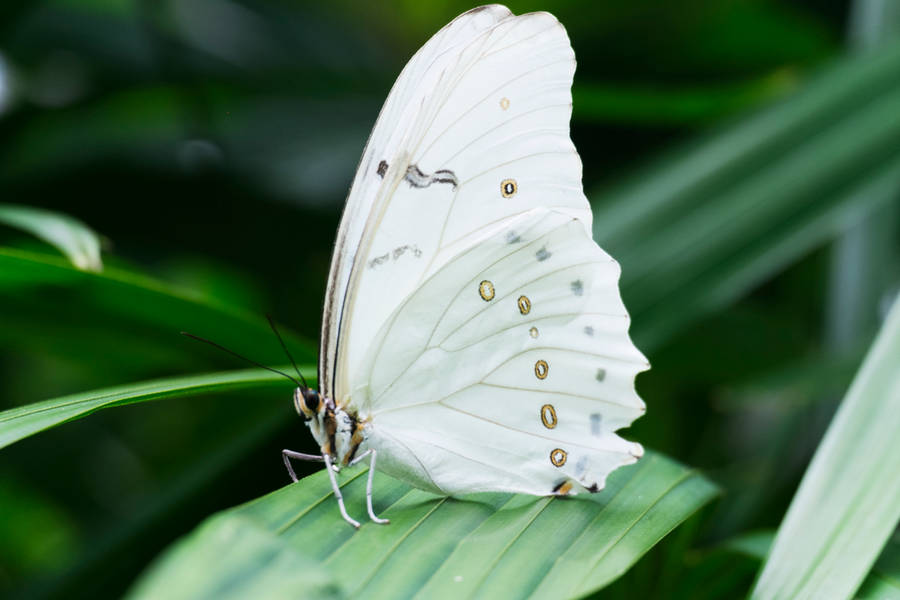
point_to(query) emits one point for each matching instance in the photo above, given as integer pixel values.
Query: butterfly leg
(287, 455)
(337, 491)
(369, 484)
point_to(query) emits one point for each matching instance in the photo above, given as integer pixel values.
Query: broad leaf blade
(883, 582)
(849, 500)
(77, 241)
(22, 421)
(443, 547)
(123, 306)
(703, 225)
(240, 560)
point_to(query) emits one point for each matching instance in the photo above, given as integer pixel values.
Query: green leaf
(439, 547)
(882, 583)
(682, 105)
(848, 503)
(77, 241)
(20, 422)
(240, 560)
(119, 304)
(702, 226)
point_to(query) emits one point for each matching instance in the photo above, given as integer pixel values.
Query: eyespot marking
(589, 331)
(512, 237)
(533, 332)
(601, 374)
(548, 416)
(504, 103)
(596, 419)
(382, 168)
(558, 457)
(543, 254)
(541, 369)
(508, 188)
(578, 287)
(486, 290)
(524, 305)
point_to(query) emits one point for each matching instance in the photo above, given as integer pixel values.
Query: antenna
(284, 346)
(252, 362)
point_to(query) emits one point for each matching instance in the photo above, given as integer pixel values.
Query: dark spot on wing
(593, 488)
(417, 179)
(589, 330)
(596, 419)
(543, 254)
(379, 260)
(581, 466)
(578, 287)
(382, 168)
(395, 254)
(512, 237)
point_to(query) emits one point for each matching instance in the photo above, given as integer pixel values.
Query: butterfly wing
(509, 369)
(474, 132)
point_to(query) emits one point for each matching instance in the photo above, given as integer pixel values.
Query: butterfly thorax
(338, 432)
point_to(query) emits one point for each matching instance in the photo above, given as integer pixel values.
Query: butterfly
(473, 337)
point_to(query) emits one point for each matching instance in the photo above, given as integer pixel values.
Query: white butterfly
(473, 337)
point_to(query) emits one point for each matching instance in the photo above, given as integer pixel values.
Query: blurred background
(742, 158)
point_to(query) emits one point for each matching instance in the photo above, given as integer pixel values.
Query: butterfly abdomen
(357, 437)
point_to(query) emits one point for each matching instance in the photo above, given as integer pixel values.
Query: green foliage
(882, 583)
(434, 547)
(70, 236)
(20, 422)
(124, 305)
(848, 503)
(717, 219)
(231, 557)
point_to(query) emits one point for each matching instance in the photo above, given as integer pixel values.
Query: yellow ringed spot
(486, 289)
(524, 305)
(508, 188)
(533, 332)
(548, 416)
(504, 103)
(541, 369)
(558, 457)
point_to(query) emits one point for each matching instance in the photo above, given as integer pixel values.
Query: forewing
(475, 132)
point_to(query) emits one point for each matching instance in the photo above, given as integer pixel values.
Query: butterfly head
(307, 402)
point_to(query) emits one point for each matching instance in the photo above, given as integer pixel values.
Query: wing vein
(517, 159)
(406, 300)
(523, 432)
(481, 101)
(528, 322)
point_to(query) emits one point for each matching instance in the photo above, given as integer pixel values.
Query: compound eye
(306, 402)
(311, 400)
(298, 402)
